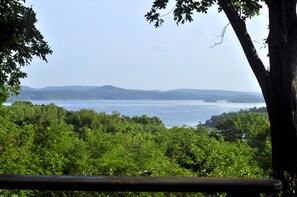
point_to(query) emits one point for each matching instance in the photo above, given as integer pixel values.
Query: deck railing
(232, 186)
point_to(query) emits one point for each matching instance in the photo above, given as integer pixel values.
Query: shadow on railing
(232, 186)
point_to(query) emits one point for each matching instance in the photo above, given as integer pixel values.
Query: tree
(20, 41)
(278, 83)
(249, 127)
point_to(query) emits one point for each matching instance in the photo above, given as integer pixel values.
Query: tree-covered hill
(115, 93)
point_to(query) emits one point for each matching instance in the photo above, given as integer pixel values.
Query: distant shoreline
(115, 93)
(171, 112)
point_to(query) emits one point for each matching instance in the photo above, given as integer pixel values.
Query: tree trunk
(278, 84)
(281, 107)
(283, 134)
(280, 94)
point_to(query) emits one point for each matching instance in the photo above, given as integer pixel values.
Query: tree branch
(221, 36)
(246, 43)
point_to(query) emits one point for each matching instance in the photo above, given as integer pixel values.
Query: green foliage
(16, 144)
(205, 156)
(84, 120)
(249, 126)
(253, 127)
(20, 41)
(46, 139)
(184, 9)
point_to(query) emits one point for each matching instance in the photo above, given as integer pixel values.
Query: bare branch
(221, 36)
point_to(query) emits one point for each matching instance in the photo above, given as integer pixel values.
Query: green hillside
(115, 93)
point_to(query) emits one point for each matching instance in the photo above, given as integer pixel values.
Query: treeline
(47, 139)
(115, 93)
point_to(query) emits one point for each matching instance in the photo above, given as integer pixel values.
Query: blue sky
(110, 43)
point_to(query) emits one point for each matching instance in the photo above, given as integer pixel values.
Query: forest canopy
(47, 139)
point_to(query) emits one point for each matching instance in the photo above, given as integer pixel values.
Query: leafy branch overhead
(20, 41)
(184, 9)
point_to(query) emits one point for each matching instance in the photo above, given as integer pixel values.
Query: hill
(115, 93)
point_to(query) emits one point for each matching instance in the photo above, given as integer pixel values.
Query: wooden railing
(238, 187)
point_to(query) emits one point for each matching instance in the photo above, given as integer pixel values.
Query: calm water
(172, 113)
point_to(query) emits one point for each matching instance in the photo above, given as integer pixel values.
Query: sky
(98, 43)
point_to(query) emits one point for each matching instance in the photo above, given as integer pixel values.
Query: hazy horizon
(96, 43)
(135, 88)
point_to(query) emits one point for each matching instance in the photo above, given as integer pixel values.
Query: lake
(171, 112)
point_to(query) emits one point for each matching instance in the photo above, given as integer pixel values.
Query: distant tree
(245, 126)
(20, 41)
(278, 82)
(194, 150)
